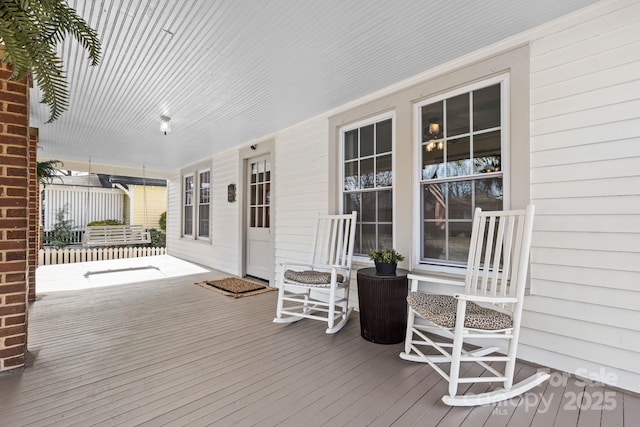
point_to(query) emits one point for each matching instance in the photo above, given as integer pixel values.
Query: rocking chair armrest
(286, 266)
(486, 299)
(435, 279)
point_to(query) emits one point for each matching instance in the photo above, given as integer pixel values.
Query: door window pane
(260, 194)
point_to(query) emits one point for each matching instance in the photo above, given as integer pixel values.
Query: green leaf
(30, 31)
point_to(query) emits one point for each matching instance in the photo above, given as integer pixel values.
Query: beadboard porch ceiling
(229, 71)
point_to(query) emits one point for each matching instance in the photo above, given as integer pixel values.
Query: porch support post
(14, 219)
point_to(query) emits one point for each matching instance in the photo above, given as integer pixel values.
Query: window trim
(342, 130)
(514, 60)
(505, 143)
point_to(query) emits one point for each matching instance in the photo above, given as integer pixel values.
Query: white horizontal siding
(588, 222)
(222, 252)
(619, 260)
(590, 240)
(174, 209)
(586, 152)
(590, 295)
(599, 277)
(585, 169)
(302, 181)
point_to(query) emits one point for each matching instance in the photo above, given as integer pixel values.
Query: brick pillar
(34, 214)
(14, 201)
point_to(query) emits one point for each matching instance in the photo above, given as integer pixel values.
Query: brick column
(34, 214)
(14, 202)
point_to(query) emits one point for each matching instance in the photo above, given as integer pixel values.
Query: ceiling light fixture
(164, 124)
(434, 127)
(432, 133)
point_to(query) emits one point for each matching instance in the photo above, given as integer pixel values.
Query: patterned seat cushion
(441, 310)
(310, 277)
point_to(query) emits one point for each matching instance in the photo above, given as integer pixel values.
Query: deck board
(167, 352)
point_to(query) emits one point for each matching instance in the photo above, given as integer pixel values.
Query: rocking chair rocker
(489, 309)
(320, 289)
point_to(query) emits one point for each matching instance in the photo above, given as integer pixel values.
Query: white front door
(258, 249)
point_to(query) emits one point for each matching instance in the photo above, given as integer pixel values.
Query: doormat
(235, 287)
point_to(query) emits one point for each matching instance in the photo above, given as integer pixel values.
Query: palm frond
(30, 31)
(47, 170)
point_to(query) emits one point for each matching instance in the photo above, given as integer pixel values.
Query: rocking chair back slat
(332, 241)
(508, 243)
(495, 258)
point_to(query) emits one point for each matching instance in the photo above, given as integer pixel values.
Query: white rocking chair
(489, 309)
(320, 289)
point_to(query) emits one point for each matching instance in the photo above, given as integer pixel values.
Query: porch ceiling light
(164, 124)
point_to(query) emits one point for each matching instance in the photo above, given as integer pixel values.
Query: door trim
(264, 148)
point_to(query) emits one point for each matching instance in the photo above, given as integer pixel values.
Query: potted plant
(386, 261)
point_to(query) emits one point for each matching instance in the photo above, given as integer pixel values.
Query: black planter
(386, 268)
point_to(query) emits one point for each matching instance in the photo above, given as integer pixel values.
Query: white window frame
(184, 205)
(359, 124)
(199, 203)
(503, 79)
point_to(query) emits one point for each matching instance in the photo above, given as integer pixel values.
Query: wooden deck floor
(167, 352)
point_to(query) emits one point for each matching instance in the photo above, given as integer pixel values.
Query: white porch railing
(49, 256)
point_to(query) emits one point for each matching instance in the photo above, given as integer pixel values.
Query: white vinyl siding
(301, 173)
(222, 252)
(585, 164)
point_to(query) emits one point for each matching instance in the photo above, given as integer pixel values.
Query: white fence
(49, 256)
(82, 205)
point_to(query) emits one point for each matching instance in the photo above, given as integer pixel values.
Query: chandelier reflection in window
(431, 134)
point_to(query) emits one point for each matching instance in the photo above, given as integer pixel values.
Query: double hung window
(188, 200)
(367, 184)
(204, 199)
(196, 199)
(461, 140)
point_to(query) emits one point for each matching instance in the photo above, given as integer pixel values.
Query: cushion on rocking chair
(310, 277)
(441, 310)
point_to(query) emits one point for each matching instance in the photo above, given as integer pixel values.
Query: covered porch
(165, 351)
